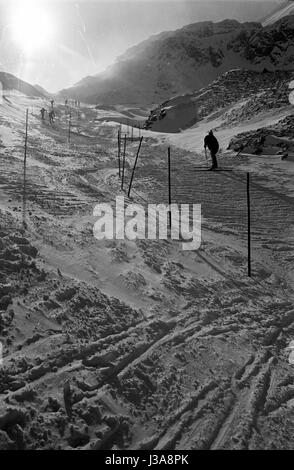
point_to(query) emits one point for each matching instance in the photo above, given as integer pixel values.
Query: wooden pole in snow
(25, 170)
(124, 161)
(169, 187)
(69, 126)
(135, 164)
(118, 152)
(248, 225)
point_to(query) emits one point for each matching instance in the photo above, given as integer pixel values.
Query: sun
(31, 26)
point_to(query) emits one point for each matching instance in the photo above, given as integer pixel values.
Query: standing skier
(43, 111)
(211, 142)
(51, 116)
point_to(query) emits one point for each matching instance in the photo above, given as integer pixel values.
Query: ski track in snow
(162, 349)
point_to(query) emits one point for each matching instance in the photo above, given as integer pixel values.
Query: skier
(43, 111)
(211, 142)
(51, 117)
(52, 104)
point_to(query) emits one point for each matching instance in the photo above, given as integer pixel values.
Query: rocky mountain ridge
(185, 60)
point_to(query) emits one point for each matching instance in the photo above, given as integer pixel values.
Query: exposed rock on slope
(275, 139)
(252, 92)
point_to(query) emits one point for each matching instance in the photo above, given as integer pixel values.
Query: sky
(58, 42)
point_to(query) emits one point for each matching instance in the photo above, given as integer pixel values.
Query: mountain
(181, 61)
(285, 9)
(11, 82)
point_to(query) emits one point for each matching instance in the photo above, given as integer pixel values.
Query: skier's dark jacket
(211, 142)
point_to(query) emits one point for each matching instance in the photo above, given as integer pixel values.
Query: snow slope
(137, 344)
(10, 82)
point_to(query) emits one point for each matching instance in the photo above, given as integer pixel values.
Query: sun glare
(31, 26)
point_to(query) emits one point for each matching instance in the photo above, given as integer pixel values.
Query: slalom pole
(124, 161)
(69, 126)
(25, 170)
(248, 225)
(135, 164)
(118, 152)
(169, 187)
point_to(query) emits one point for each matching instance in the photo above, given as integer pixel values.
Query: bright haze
(56, 43)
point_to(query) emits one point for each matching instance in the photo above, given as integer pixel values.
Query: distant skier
(211, 142)
(43, 111)
(51, 117)
(52, 104)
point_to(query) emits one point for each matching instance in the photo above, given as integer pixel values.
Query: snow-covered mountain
(285, 9)
(181, 61)
(11, 82)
